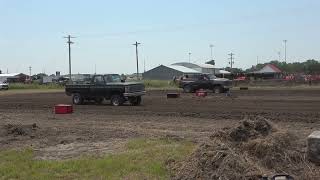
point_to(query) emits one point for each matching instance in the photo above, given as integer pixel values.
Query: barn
(163, 72)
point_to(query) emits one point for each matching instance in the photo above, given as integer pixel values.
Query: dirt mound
(247, 129)
(20, 130)
(247, 151)
(216, 160)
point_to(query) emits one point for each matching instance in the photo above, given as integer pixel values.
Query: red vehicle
(240, 78)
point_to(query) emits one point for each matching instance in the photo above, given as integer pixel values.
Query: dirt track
(97, 129)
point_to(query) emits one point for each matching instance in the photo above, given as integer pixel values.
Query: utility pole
(211, 47)
(136, 44)
(144, 65)
(189, 57)
(285, 50)
(231, 62)
(279, 54)
(257, 60)
(69, 46)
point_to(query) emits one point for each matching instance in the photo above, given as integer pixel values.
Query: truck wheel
(135, 101)
(116, 100)
(77, 99)
(217, 89)
(98, 100)
(187, 89)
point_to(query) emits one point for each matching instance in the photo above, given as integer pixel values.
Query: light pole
(189, 57)
(211, 47)
(279, 54)
(285, 50)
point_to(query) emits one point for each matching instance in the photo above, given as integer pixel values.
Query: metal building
(163, 72)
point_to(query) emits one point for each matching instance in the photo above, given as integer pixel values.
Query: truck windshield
(113, 78)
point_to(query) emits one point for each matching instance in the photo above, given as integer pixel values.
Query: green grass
(34, 86)
(143, 159)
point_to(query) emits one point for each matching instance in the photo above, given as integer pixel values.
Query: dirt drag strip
(96, 129)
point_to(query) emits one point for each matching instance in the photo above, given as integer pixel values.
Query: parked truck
(106, 87)
(192, 82)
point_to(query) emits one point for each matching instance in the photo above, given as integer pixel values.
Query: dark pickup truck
(192, 82)
(110, 87)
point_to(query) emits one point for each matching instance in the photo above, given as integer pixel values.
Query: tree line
(307, 67)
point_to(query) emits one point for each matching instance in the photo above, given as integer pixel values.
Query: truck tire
(77, 99)
(217, 89)
(187, 89)
(135, 101)
(116, 100)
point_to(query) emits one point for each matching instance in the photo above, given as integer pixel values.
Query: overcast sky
(32, 31)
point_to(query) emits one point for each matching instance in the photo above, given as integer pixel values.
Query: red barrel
(63, 109)
(201, 93)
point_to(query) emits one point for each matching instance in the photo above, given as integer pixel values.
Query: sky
(31, 33)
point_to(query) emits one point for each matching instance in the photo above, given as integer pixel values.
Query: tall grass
(34, 86)
(150, 84)
(142, 159)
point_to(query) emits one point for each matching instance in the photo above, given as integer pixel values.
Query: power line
(69, 48)
(137, 58)
(231, 62)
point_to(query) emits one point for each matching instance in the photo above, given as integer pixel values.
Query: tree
(307, 67)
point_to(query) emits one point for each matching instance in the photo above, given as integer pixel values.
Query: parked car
(192, 82)
(109, 86)
(4, 86)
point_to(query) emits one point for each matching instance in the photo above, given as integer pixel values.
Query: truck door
(98, 87)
